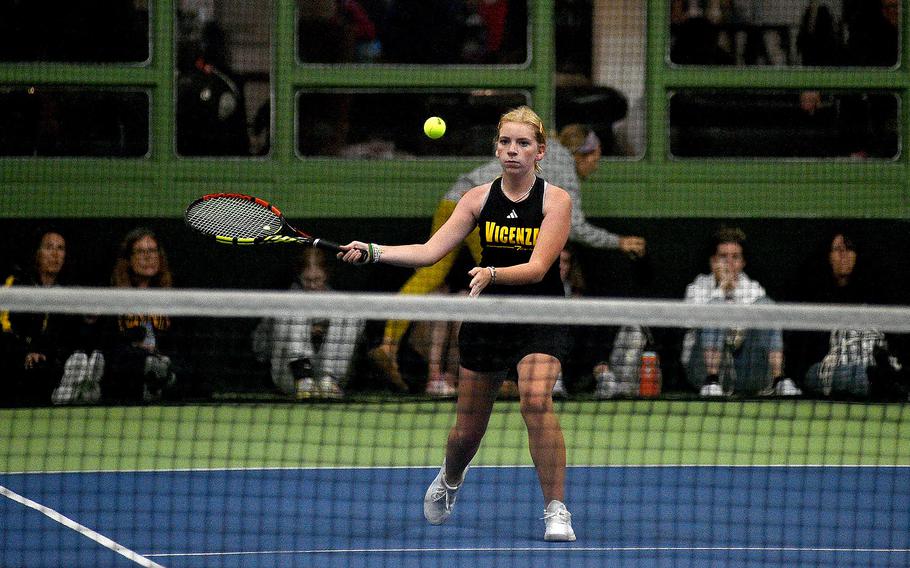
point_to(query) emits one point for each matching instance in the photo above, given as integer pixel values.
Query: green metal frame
(654, 186)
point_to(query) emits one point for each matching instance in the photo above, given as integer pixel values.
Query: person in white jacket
(724, 361)
(309, 357)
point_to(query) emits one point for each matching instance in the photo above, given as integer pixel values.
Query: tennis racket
(238, 219)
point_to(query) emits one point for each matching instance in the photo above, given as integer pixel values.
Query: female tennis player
(524, 224)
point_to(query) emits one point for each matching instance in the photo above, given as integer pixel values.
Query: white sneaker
(559, 523)
(439, 499)
(90, 388)
(711, 390)
(559, 389)
(786, 387)
(306, 388)
(606, 386)
(440, 388)
(74, 372)
(328, 388)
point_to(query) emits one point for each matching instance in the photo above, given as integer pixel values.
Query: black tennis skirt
(492, 347)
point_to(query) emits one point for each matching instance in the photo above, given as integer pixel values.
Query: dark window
(98, 31)
(786, 124)
(388, 124)
(412, 31)
(224, 61)
(73, 121)
(861, 33)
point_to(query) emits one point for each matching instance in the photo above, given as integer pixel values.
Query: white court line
(546, 549)
(81, 529)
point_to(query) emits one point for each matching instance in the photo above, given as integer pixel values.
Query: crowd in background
(143, 358)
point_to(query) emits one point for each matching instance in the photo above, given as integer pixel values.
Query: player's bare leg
(536, 375)
(476, 395)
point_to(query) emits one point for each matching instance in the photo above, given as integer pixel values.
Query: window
(784, 124)
(412, 31)
(111, 31)
(224, 78)
(785, 32)
(600, 46)
(73, 121)
(389, 124)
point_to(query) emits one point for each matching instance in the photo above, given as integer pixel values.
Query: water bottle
(649, 375)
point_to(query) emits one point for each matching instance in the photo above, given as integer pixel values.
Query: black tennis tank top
(508, 233)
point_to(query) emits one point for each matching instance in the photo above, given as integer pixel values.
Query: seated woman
(142, 364)
(309, 357)
(31, 356)
(844, 362)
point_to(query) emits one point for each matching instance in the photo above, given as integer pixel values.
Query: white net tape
(670, 313)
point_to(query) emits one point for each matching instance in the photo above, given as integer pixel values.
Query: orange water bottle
(649, 375)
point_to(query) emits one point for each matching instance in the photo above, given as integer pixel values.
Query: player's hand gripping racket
(238, 219)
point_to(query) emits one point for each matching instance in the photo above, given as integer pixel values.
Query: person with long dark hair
(31, 352)
(844, 362)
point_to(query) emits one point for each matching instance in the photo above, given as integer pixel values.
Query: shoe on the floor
(786, 387)
(559, 389)
(607, 386)
(559, 523)
(74, 372)
(439, 499)
(90, 388)
(306, 388)
(711, 390)
(328, 388)
(440, 388)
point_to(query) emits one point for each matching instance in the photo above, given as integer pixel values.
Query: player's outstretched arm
(450, 235)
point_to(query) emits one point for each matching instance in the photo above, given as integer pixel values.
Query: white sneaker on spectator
(328, 388)
(74, 372)
(559, 389)
(440, 388)
(559, 523)
(786, 387)
(711, 390)
(90, 389)
(606, 386)
(306, 388)
(439, 499)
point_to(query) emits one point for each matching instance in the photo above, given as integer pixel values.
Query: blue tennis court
(624, 516)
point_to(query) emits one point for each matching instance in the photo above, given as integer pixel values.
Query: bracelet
(492, 270)
(375, 253)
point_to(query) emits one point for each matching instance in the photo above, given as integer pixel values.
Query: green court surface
(413, 432)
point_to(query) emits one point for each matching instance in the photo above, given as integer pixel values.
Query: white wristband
(375, 253)
(492, 270)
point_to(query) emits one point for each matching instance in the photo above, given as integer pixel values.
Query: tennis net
(270, 428)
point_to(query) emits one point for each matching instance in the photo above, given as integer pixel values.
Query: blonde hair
(524, 115)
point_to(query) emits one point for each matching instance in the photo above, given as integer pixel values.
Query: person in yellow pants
(572, 157)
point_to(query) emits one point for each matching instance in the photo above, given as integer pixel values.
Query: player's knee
(534, 405)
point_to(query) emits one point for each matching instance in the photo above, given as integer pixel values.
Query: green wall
(654, 186)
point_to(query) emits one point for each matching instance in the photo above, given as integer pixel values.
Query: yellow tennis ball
(434, 127)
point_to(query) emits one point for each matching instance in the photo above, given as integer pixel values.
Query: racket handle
(327, 245)
(330, 246)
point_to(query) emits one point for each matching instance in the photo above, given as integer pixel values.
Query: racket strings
(233, 218)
